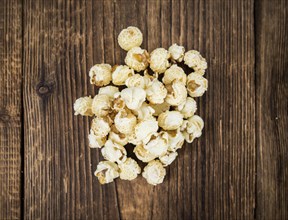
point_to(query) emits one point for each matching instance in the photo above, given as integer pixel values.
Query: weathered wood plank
(10, 108)
(272, 106)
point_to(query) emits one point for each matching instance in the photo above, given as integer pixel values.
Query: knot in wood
(44, 89)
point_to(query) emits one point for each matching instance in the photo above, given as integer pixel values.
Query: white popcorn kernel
(114, 152)
(159, 108)
(129, 170)
(120, 74)
(168, 158)
(118, 104)
(125, 122)
(188, 108)
(158, 144)
(196, 85)
(144, 112)
(129, 38)
(170, 120)
(109, 91)
(159, 60)
(133, 97)
(100, 127)
(137, 81)
(117, 137)
(156, 92)
(174, 73)
(137, 59)
(175, 140)
(154, 172)
(101, 105)
(106, 172)
(145, 129)
(177, 52)
(83, 106)
(142, 154)
(194, 60)
(96, 141)
(177, 93)
(193, 128)
(100, 74)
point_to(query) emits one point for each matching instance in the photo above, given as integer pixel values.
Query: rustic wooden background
(236, 170)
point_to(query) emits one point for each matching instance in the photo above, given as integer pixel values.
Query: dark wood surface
(236, 170)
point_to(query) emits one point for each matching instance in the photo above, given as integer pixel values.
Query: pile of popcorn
(148, 103)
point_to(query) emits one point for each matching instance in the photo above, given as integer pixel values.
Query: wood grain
(10, 108)
(272, 109)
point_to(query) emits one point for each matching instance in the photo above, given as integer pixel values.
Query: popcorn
(120, 74)
(177, 93)
(168, 158)
(196, 85)
(137, 59)
(114, 152)
(188, 108)
(159, 60)
(158, 144)
(129, 38)
(154, 172)
(101, 105)
(100, 74)
(129, 170)
(109, 91)
(106, 172)
(194, 60)
(125, 122)
(156, 92)
(133, 97)
(83, 106)
(174, 73)
(150, 111)
(177, 52)
(170, 120)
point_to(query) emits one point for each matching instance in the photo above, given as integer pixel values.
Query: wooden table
(236, 170)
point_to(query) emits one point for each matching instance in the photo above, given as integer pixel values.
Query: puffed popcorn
(129, 170)
(193, 128)
(114, 152)
(143, 154)
(175, 140)
(156, 92)
(133, 97)
(170, 120)
(144, 112)
(159, 108)
(194, 60)
(159, 60)
(101, 105)
(177, 52)
(137, 81)
(196, 85)
(188, 108)
(120, 74)
(158, 144)
(137, 59)
(96, 141)
(118, 104)
(168, 158)
(145, 129)
(83, 106)
(177, 93)
(100, 74)
(129, 38)
(117, 137)
(109, 90)
(154, 172)
(106, 172)
(174, 73)
(100, 126)
(125, 121)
